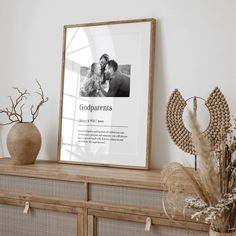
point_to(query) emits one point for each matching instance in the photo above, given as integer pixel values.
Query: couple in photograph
(105, 80)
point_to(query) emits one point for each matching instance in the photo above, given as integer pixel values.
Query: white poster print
(105, 110)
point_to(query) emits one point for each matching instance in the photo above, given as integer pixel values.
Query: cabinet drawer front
(110, 227)
(37, 223)
(125, 195)
(53, 188)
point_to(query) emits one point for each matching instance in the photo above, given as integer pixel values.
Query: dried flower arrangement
(213, 184)
(15, 111)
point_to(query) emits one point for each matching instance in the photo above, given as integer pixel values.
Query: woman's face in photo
(97, 69)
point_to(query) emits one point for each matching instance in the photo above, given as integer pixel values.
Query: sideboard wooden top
(150, 179)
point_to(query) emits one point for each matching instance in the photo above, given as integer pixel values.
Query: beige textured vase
(24, 143)
(213, 233)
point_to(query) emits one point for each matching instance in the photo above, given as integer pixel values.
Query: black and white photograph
(106, 93)
(105, 78)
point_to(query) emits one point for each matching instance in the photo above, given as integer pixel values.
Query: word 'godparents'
(91, 108)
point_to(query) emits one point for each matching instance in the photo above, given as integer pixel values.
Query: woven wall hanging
(219, 119)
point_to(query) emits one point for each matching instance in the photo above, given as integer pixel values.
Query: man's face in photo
(103, 63)
(108, 70)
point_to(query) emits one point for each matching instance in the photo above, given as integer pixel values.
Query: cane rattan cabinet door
(123, 195)
(116, 224)
(38, 222)
(111, 227)
(42, 186)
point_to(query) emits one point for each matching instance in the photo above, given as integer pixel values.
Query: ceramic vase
(24, 143)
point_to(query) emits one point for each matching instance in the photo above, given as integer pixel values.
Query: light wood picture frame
(106, 93)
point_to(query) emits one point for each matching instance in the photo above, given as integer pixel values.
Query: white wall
(196, 51)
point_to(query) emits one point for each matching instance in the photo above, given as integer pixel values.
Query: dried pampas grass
(182, 183)
(175, 176)
(207, 171)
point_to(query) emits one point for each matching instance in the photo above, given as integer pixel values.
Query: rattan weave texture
(109, 227)
(125, 195)
(37, 223)
(54, 188)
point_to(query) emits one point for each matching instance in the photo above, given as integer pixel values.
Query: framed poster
(106, 94)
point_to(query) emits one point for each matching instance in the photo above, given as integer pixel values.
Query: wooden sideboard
(75, 200)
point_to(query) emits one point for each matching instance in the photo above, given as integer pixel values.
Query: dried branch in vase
(35, 112)
(14, 112)
(213, 184)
